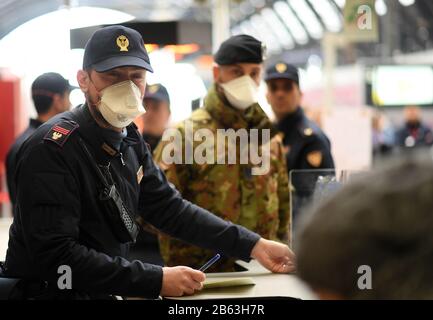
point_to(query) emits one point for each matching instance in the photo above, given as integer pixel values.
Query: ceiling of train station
(13, 13)
(284, 24)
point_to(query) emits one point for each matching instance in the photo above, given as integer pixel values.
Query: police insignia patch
(315, 158)
(60, 132)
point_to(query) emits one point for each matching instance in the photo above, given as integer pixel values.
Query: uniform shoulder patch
(61, 131)
(315, 158)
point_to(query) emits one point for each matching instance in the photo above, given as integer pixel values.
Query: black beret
(240, 49)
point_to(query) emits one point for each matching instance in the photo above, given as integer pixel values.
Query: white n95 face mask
(121, 103)
(241, 92)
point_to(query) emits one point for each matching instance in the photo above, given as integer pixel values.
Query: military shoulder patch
(60, 132)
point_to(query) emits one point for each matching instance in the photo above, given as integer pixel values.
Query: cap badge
(153, 89)
(122, 42)
(281, 67)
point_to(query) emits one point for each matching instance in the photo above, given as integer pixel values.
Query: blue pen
(208, 264)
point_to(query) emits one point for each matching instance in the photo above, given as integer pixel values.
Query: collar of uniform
(229, 117)
(35, 123)
(133, 136)
(291, 120)
(152, 140)
(90, 132)
(221, 112)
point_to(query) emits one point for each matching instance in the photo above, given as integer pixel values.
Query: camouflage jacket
(258, 202)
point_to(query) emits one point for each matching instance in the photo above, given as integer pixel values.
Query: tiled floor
(4, 236)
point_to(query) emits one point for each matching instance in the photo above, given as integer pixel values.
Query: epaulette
(306, 129)
(200, 116)
(61, 132)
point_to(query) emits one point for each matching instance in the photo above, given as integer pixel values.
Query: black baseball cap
(157, 92)
(282, 70)
(116, 46)
(50, 83)
(240, 49)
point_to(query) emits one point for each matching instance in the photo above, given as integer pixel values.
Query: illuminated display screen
(402, 85)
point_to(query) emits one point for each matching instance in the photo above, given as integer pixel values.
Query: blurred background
(361, 61)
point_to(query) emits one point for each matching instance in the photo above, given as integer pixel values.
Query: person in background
(306, 145)
(157, 105)
(50, 94)
(383, 136)
(414, 133)
(231, 191)
(155, 120)
(373, 239)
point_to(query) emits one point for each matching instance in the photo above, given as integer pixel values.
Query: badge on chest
(140, 174)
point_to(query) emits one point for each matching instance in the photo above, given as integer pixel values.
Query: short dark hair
(383, 220)
(42, 104)
(45, 87)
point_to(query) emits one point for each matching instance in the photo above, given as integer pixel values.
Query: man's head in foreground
(373, 239)
(114, 76)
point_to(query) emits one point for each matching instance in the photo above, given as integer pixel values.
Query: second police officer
(306, 145)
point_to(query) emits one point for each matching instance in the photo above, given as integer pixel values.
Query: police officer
(50, 94)
(85, 175)
(414, 133)
(306, 146)
(155, 120)
(230, 190)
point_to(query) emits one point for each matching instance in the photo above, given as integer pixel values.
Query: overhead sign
(361, 21)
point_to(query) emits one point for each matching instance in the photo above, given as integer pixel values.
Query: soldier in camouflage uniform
(259, 202)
